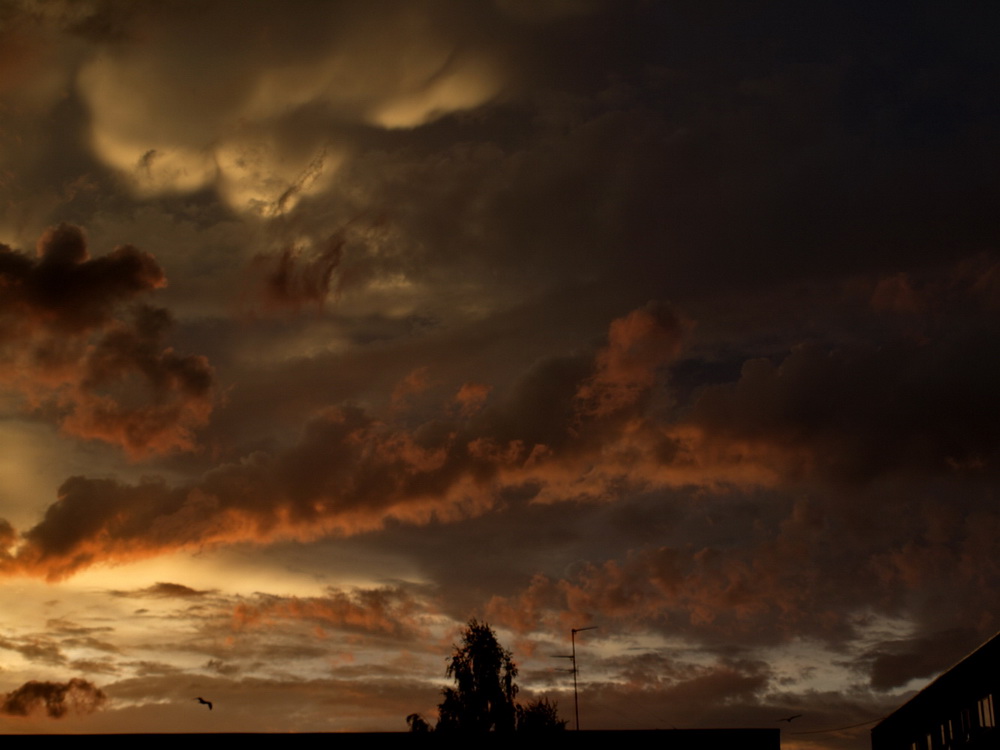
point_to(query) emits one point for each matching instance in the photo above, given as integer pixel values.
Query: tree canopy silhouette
(539, 717)
(482, 699)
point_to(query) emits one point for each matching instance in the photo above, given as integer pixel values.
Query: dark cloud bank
(55, 699)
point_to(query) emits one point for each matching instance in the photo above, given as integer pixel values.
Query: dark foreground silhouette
(483, 698)
(665, 739)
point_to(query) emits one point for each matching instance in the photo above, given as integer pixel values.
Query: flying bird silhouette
(789, 718)
(204, 702)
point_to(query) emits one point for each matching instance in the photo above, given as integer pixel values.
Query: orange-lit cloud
(349, 473)
(638, 346)
(73, 349)
(471, 397)
(811, 573)
(588, 436)
(381, 611)
(414, 383)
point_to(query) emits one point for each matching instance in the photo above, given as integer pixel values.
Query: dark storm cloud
(56, 699)
(893, 448)
(718, 156)
(179, 389)
(761, 591)
(586, 428)
(351, 472)
(919, 399)
(895, 663)
(664, 691)
(66, 290)
(72, 351)
(815, 568)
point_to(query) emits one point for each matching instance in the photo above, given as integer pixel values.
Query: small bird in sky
(789, 718)
(204, 702)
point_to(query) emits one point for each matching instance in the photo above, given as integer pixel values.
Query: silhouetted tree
(483, 697)
(539, 717)
(417, 723)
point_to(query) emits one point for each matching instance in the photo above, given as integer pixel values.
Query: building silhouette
(957, 711)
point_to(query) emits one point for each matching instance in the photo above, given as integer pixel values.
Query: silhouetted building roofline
(955, 711)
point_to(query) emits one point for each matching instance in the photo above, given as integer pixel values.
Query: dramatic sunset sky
(326, 326)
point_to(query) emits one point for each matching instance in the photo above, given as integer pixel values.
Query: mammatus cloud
(77, 346)
(56, 699)
(257, 126)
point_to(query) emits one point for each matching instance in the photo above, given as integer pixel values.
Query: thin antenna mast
(576, 695)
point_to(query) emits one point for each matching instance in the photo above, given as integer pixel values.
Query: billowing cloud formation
(582, 428)
(759, 593)
(350, 472)
(69, 347)
(638, 345)
(766, 570)
(56, 699)
(257, 125)
(65, 289)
